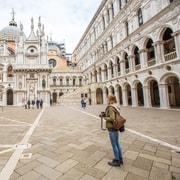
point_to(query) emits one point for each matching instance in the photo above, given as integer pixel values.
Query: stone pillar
(124, 97)
(177, 42)
(131, 63)
(147, 97)
(163, 94)
(143, 58)
(134, 97)
(159, 54)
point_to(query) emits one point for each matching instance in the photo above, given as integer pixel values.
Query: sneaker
(115, 162)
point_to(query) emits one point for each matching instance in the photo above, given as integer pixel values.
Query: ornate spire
(32, 24)
(12, 22)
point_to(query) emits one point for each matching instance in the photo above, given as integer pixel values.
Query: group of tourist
(32, 104)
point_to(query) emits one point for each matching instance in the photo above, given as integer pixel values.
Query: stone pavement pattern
(66, 143)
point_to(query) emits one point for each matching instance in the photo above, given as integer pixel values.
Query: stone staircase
(72, 98)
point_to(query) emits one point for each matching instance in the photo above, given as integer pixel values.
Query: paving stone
(30, 175)
(48, 161)
(168, 162)
(48, 172)
(115, 173)
(134, 170)
(94, 172)
(160, 174)
(132, 176)
(72, 174)
(143, 163)
(66, 165)
(131, 155)
(88, 177)
(27, 167)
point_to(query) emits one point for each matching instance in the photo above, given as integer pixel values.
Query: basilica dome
(11, 32)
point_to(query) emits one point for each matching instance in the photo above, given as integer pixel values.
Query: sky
(64, 20)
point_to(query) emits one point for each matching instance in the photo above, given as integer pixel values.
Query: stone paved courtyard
(67, 143)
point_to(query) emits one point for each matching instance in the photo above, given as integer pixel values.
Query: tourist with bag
(110, 115)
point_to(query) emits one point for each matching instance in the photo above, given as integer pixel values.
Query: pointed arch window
(140, 17)
(43, 83)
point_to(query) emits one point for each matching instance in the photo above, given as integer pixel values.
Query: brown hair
(111, 99)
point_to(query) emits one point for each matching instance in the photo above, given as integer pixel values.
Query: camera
(122, 128)
(102, 114)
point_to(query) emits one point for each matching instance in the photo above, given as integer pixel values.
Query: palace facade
(33, 67)
(131, 48)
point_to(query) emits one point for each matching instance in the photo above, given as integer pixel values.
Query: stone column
(147, 97)
(134, 97)
(163, 94)
(143, 58)
(124, 97)
(177, 42)
(159, 54)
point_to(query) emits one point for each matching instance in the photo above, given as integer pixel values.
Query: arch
(172, 86)
(9, 97)
(119, 94)
(128, 93)
(154, 92)
(140, 93)
(99, 96)
(54, 96)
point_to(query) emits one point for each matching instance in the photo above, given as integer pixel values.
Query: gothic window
(112, 70)
(120, 4)
(52, 62)
(150, 50)
(61, 82)
(127, 28)
(80, 82)
(10, 71)
(103, 21)
(54, 81)
(43, 83)
(136, 54)
(169, 45)
(74, 82)
(126, 61)
(112, 6)
(67, 82)
(140, 17)
(31, 75)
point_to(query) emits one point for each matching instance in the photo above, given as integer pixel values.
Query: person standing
(110, 114)
(41, 103)
(37, 103)
(28, 103)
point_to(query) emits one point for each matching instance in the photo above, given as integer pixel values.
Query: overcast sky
(66, 20)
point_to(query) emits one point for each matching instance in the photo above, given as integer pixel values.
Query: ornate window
(52, 62)
(140, 17)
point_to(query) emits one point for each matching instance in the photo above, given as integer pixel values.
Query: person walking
(110, 114)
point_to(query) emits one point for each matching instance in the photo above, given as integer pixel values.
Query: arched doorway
(9, 97)
(120, 95)
(173, 91)
(154, 90)
(128, 91)
(99, 96)
(140, 95)
(54, 97)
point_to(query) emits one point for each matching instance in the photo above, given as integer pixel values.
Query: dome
(10, 33)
